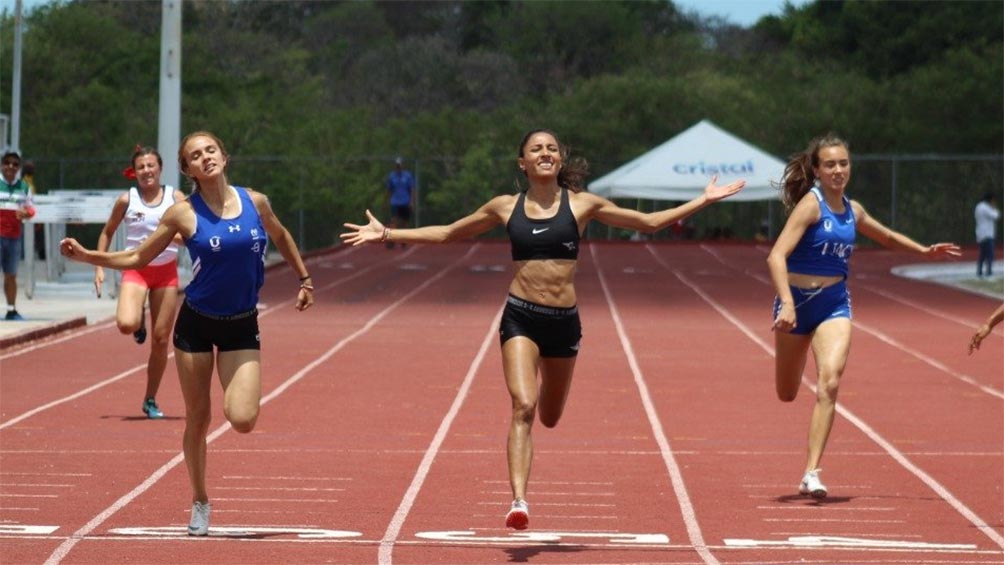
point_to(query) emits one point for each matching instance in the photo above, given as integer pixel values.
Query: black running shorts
(556, 331)
(196, 332)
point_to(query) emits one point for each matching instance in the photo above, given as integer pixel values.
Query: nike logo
(539, 230)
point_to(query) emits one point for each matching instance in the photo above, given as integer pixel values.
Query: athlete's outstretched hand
(943, 250)
(715, 193)
(371, 232)
(983, 331)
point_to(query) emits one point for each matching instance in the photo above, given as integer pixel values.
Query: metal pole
(892, 219)
(415, 199)
(15, 100)
(169, 124)
(299, 205)
(770, 220)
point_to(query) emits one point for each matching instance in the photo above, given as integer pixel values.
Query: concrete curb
(41, 332)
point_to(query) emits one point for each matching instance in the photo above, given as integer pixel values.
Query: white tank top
(141, 220)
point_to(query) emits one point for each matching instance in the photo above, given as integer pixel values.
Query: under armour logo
(232, 229)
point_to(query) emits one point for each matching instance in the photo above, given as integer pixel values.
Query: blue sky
(740, 12)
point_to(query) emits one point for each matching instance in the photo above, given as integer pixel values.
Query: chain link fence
(928, 197)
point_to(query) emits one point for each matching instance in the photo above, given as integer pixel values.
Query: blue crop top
(228, 258)
(827, 244)
(556, 237)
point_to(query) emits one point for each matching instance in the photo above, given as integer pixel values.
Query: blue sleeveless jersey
(228, 259)
(827, 244)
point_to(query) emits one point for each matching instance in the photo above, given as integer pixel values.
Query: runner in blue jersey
(226, 229)
(540, 327)
(809, 267)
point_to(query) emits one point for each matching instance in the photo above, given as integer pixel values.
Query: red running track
(383, 429)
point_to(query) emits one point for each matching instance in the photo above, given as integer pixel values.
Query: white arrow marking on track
(236, 531)
(545, 537)
(21, 529)
(836, 541)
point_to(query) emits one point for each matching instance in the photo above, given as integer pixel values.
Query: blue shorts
(813, 306)
(10, 254)
(556, 331)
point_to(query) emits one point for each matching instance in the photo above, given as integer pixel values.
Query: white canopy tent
(680, 168)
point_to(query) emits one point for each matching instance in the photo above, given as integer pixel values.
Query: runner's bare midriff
(801, 280)
(548, 282)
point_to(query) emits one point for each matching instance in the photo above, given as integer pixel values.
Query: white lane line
(850, 535)
(929, 360)
(75, 334)
(536, 504)
(541, 494)
(64, 548)
(75, 395)
(41, 474)
(46, 485)
(813, 508)
(970, 324)
(537, 515)
(170, 355)
(284, 489)
(100, 326)
(676, 477)
(385, 556)
(888, 447)
(284, 478)
(248, 499)
(542, 483)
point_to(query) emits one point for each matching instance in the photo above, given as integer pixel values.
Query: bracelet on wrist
(303, 278)
(309, 287)
(384, 235)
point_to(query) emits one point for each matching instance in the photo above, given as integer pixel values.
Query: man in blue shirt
(400, 186)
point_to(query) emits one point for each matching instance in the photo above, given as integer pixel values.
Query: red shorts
(153, 276)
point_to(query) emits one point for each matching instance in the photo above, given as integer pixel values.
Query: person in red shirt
(15, 206)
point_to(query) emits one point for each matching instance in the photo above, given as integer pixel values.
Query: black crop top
(556, 237)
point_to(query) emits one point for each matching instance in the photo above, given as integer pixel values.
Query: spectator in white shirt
(986, 223)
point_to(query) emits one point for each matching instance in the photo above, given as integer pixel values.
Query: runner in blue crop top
(225, 229)
(826, 245)
(809, 268)
(540, 327)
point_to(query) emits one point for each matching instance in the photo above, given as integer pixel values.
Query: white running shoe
(518, 517)
(199, 526)
(811, 485)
